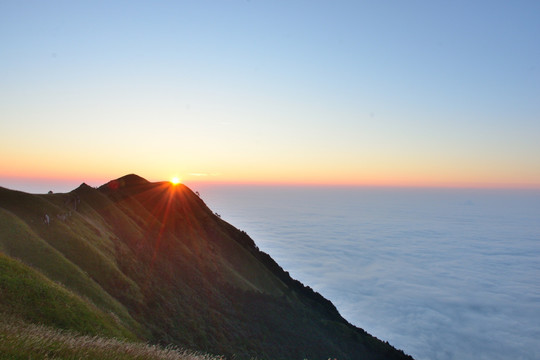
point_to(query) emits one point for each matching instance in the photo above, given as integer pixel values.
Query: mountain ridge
(179, 274)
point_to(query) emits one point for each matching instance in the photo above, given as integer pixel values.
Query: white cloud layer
(441, 274)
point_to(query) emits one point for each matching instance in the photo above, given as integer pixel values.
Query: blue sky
(378, 92)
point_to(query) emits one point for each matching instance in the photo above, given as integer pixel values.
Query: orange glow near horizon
(294, 177)
(325, 168)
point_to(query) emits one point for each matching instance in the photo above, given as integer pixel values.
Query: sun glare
(175, 180)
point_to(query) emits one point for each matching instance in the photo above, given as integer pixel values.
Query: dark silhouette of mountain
(152, 261)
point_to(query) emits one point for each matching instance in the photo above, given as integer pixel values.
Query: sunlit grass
(20, 340)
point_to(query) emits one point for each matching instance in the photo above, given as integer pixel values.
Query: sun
(175, 180)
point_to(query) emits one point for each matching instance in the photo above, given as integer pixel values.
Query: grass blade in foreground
(20, 340)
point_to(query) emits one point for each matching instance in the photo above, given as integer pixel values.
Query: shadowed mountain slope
(170, 271)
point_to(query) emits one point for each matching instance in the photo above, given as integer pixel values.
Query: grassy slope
(185, 275)
(29, 295)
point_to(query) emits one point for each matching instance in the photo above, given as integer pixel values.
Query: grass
(21, 340)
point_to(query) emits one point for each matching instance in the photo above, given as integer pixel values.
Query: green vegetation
(18, 240)
(150, 261)
(26, 294)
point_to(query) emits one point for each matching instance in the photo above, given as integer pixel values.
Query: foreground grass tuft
(20, 340)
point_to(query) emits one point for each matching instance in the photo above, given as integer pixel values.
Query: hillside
(151, 261)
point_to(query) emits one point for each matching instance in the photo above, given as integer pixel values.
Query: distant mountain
(150, 261)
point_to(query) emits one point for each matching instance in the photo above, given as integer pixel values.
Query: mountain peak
(125, 181)
(132, 179)
(83, 186)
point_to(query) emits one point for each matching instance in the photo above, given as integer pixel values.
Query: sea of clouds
(439, 273)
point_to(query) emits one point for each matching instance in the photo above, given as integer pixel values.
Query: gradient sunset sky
(414, 93)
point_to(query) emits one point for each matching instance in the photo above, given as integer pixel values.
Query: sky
(391, 93)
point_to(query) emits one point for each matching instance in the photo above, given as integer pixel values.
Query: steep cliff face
(171, 271)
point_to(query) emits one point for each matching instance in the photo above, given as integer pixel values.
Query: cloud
(433, 277)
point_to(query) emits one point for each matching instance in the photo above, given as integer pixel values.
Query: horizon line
(63, 184)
